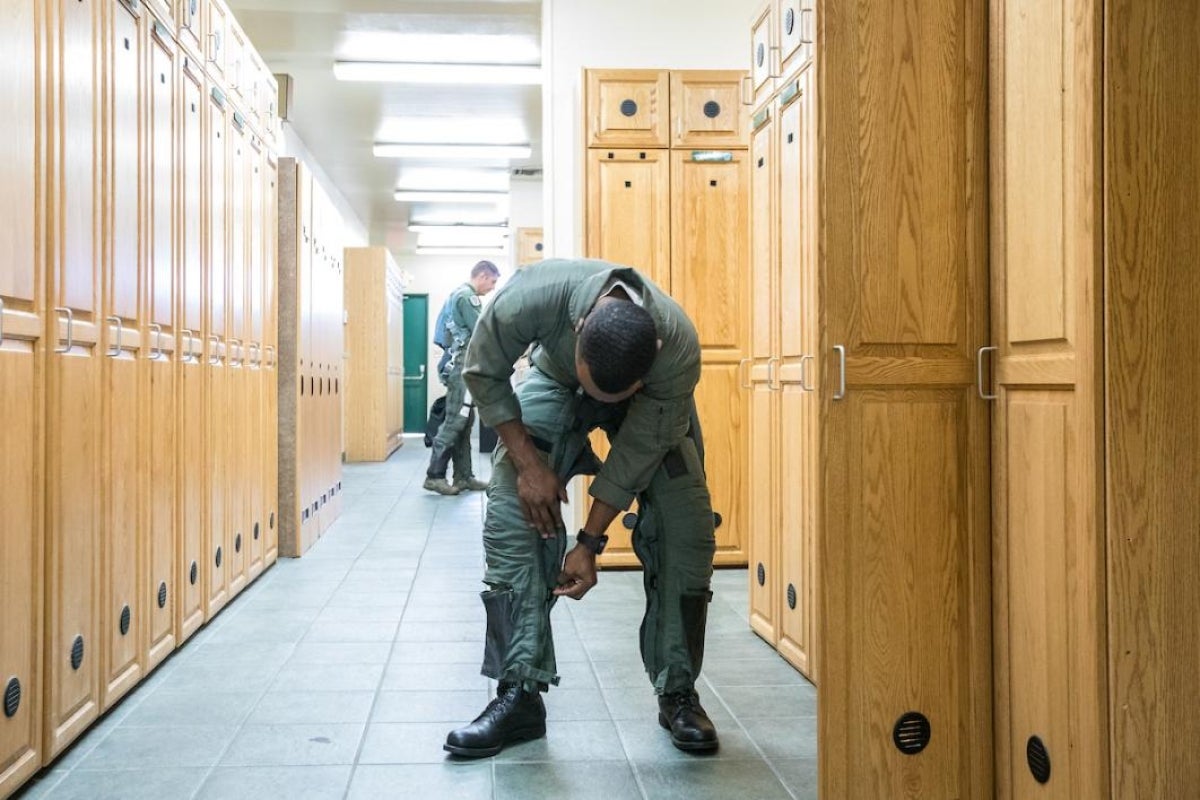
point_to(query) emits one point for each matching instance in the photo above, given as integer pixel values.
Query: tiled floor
(338, 675)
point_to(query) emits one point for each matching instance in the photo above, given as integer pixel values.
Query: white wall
(355, 230)
(648, 34)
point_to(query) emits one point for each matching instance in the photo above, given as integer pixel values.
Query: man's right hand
(541, 497)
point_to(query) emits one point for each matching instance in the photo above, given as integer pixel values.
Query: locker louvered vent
(712, 109)
(760, 57)
(218, 557)
(193, 573)
(538, 247)
(77, 652)
(629, 521)
(12, 697)
(628, 108)
(791, 596)
(126, 616)
(272, 521)
(911, 733)
(256, 531)
(237, 543)
(1038, 758)
(789, 21)
(718, 520)
(762, 574)
(162, 595)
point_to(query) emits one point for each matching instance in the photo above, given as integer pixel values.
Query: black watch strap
(594, 543)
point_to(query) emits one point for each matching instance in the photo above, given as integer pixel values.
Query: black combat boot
(690, 727)
(514, 716)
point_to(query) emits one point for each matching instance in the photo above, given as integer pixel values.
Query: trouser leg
(461, 453)
(452, 427)
(675, 542)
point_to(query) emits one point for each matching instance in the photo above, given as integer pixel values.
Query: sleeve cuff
(499, 412)
(608, 492)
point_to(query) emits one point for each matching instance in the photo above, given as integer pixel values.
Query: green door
(416, 353)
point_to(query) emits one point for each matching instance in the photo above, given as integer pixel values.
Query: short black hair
(485, 267)
(618, 342)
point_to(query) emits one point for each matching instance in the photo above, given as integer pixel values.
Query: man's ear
(658, 342)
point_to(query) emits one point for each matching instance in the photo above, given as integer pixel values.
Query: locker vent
(162, 595)
(125, 619)
(77, 653)
(718, 520)
(237, 543)
(629, 521)
(12, 697)
(218, 558)
(256, 531)
(272, 522)
(1038, 758)
(789, 21)
(791, 596)
(760, 56)
(628, 108)
(538, 247)
(911, 733)
(762, 574)
(712, 109)
(193, 573)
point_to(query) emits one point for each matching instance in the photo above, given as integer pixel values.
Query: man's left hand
(578, 573)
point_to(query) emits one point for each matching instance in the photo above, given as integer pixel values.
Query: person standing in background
(453, 440)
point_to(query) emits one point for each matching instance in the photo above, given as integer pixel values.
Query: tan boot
(441, 486)
(471, 484)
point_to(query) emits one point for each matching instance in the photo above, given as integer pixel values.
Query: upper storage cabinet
(707, 109)
(215, 44)
(189, 18)
(627, 108)
(781, 44)
(763, 49)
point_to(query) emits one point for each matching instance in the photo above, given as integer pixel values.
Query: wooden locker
(192, 573)
(232, 423)
(796, 21)
(164, 11)
(164, 349)
(709, 278)
(529, 246)
(192, 28)
(374, 303)
(219, 354)
(627, 108)
(905, 538)
(271, 360)
(255, 475)
(214, 46)
(629, 210)
(707, 109)
(757, 377)
(763, 52)
(22, 396)
(73, 642)
(122, 596)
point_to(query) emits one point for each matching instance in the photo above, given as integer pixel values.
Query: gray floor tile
(453, 708)
(41, 785)
(799, 775)
(406, 743)
(292, 708)
(440, 631)
(570, 741)
(750, 702)
(332, 614)
(354, 597)
(217, 676)
(169, 709)
(784, 738)
(294, 745)
(711, 779)
(438, 652)
(293, 783)
(351, 632)
(341, 653)
(722, 671)
(328, 678)
(433, 677)
(647, 741)
(257, 654)
(581, 780)
(469, 611)
(157, 748)
(447, 781)
(139, 784)
(564, 705)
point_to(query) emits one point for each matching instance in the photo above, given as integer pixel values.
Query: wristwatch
(594, 543)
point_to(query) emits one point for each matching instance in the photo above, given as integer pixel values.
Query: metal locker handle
(979, 357)
(70, 329)
(742, 373)
(235, 346)
(156, 351)
(271, 362)
(777, 72)
(188, 354)
(805, 386)
(804, 11)
(115, 349)
(214, 357)
(771, 374)
(841, 392)
(747, 90)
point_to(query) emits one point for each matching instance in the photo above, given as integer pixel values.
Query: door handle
(271, 361)
(188, 355)
(745, 384)
(805, 386)
(156, 350)
(841, 392)
(772, 372)
(214, 357)
(70, 329)
(980, 355)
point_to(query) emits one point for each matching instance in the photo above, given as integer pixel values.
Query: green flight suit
(453, 440)
(656, 456)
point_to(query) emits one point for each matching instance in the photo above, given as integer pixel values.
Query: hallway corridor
(340, 673)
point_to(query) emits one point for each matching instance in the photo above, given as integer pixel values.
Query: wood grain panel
(21, 153)
(627, 108)
(723, 413)
(529, 246)
(123, 173)
(763, 46)
(1152, 160)
(709, 246)
(160, 187)
(797, 496)
(162, 562)
(629, 211)
(764, 266)
(707, 109)
(192, 188)
(762, 519)
(193, 505)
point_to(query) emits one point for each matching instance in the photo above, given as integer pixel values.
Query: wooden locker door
(763, 53)
(255, 475)
(123, 601)
(216, 536)
(707, 109)
(234, 421)
(271, 354)
(797, 371)
(790, 19)
(215, 43)
(710, 279)
(529, 246)
(164, 10)
(1047, 420)
(757, 375)
(627, 107)
(191, 32)
(629, 211)
(905, 537)
(22, 350)
(73, 642)
(191, 575)
(164, 347)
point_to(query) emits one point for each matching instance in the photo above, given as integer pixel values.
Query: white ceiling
(340, 120)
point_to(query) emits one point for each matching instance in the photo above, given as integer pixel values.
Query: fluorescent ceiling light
(453, 130)
(452, 215)
(440, 47)
(451, 197)
(427, 73)
(459, 251)
(453, 180)
(481, 152)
